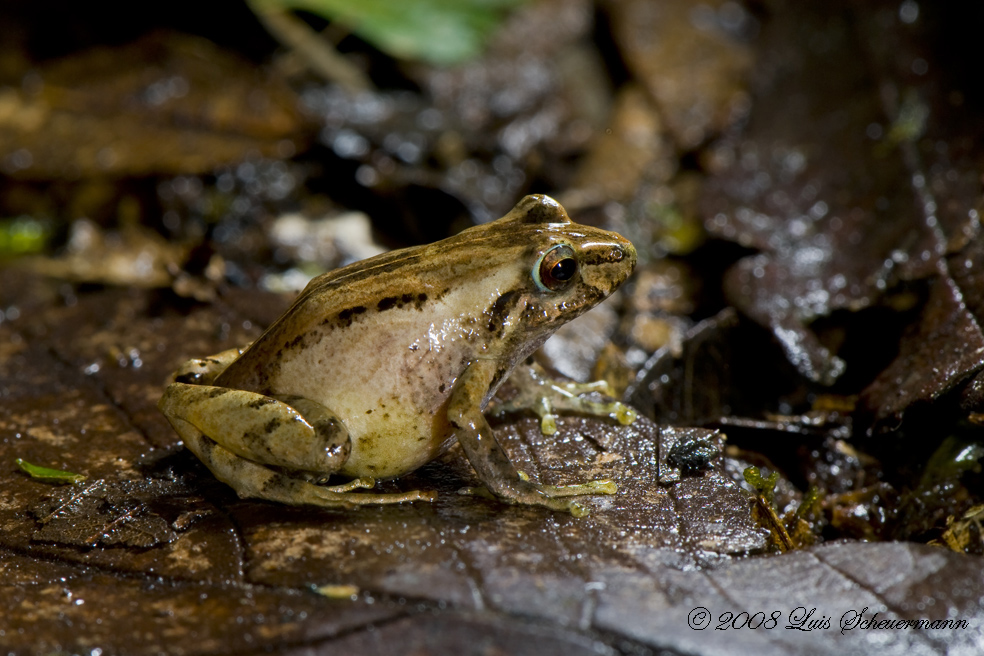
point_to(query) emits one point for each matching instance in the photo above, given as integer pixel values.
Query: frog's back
(367, 308)
(412, 287)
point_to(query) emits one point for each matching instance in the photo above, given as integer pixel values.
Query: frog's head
(564, 268)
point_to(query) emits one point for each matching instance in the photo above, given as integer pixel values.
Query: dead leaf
(107, 514)
(691, 59)
(838, 214)
(166, 104)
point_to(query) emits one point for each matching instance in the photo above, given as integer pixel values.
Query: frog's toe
(624, 414)
(554, 497)
(616, 410)
(479, 491)
(548, 423)
(600, 486)
(364, 483)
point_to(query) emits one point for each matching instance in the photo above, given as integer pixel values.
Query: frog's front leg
(239, 435)
(491, 462)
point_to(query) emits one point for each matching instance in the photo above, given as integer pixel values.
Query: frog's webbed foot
(244, 438)
(490, 461)
(554, 497)
(544, 396)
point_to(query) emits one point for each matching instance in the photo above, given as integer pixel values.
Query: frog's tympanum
(379, 366)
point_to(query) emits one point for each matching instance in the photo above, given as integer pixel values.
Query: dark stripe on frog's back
(335, 298)
(338, 298)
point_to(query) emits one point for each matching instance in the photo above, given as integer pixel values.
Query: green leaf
(441, 32)
(23, 235)
(49, 475)
(765, 487)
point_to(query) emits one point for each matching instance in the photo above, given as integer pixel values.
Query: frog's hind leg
(296, 434)
(251, 480)
(237, 434)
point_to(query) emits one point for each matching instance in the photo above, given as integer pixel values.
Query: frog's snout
(608, 263)
(623, 256)
(628, 254)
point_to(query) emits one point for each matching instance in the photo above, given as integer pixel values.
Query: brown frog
(379, 366)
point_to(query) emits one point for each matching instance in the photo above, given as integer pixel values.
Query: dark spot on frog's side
(398, 302)
(272, 425)
(387, 303)
(345, 316)
(499, 310)
(216, 392)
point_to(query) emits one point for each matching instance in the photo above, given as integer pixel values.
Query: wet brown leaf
(691, 59)
(134, 256)
(721, 371)
(620, 157)
(110, 514)
(841, 206)
(944, 349)
(165, 104)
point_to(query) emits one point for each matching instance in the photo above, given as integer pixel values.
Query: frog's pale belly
(394, 403)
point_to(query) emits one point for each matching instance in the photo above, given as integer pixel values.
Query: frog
(379, 367)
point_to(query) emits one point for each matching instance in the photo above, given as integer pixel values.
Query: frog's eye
(555, 269)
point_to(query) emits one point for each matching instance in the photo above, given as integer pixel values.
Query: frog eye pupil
(555, 269)
(564, 270)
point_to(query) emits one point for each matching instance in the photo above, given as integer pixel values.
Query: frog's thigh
(487, 456)
(249, 479)
(304, 435)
